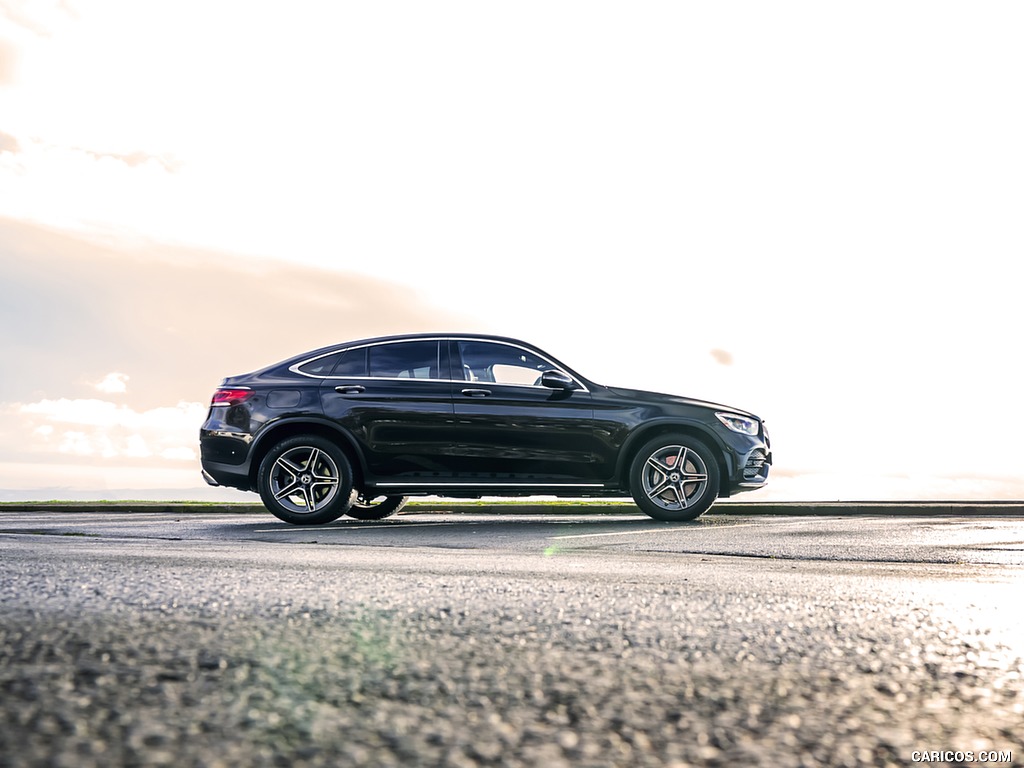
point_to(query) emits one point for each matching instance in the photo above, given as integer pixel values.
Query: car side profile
(358, 427)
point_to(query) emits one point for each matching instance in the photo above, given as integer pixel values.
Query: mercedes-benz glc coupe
(358, 427)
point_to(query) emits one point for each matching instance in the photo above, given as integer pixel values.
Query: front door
(509, 429)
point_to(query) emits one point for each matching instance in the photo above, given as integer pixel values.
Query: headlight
(737, 423)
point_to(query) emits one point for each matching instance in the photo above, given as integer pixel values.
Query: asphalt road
(468, 639)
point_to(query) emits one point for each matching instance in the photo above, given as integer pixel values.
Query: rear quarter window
(321, 366)
(352, 362)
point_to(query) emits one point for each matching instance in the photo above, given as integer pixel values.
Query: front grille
(755, 464)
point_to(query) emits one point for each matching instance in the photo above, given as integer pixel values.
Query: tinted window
(322, 366)
(405, 360)
(501, 363)
(352, 363)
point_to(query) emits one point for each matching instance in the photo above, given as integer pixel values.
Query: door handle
(353, 389)
(476, 392)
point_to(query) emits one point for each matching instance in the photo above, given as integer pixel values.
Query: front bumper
(751, 461)
(756, 468)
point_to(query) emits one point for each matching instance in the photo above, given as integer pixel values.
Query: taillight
(230, 396)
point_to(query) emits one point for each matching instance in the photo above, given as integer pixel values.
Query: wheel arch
(274, 433)
(666, 427)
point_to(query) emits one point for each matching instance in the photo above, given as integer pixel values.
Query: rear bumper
(224, 457)
(228, 475)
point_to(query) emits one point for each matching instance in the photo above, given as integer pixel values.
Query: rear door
(395, 399)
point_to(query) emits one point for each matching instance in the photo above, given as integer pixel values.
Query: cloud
(721, 356)
(178, 454)
(105, 430)
(104, 413)
(8, 62)
(9, 144)
(39, 17)
(136, 159)
(114, 384)
(42, 157)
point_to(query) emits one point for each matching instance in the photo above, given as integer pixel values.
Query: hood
(644, 396)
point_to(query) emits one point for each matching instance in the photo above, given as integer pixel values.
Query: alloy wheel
(674, 477)
(304, 479)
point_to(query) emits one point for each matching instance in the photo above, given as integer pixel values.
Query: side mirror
(557, 380)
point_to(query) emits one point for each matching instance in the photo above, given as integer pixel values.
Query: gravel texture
(201, 656)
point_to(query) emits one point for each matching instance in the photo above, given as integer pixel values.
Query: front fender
(665, 425)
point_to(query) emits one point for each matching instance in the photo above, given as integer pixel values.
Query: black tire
(376, 508)
(667, 494)
(305, 480)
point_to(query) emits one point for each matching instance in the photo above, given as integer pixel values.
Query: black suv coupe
(358, 427)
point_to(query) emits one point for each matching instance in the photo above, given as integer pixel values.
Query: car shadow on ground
(456, 524)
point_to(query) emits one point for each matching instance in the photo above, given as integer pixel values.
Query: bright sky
(809, 210)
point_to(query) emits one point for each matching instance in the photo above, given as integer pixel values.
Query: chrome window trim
(295, 368)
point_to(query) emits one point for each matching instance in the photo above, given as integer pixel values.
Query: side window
(501, 363)
(405, 360)
(352, 363)
(322, 366)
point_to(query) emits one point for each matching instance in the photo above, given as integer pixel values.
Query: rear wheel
(375, 507)
(305, 480)
(674, 478)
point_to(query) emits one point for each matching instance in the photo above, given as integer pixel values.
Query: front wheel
(305, 480)
(674, 478)
(375, 508)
